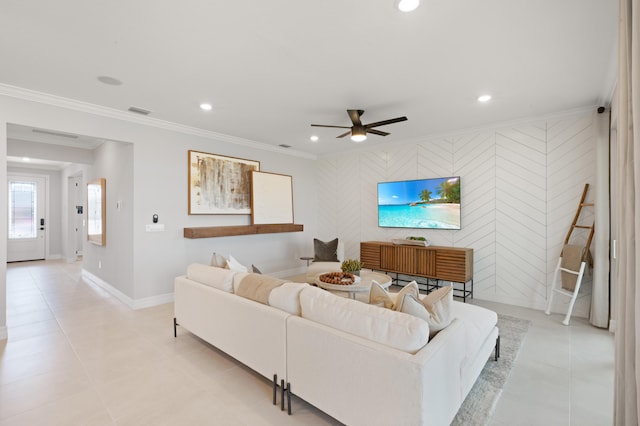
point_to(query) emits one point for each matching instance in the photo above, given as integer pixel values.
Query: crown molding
(102, 111)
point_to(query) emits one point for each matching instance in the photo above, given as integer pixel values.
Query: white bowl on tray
(406, 242)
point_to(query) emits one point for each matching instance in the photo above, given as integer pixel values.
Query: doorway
(27, 203)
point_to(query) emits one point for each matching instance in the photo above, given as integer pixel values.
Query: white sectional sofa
(361, 364)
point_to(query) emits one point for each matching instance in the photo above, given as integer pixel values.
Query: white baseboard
(54, 257)
(148, 302)
(4, 333)
(134, 304)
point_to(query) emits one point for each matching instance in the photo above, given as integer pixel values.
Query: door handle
(42, 224)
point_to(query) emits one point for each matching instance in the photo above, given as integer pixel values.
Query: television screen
(422, 203)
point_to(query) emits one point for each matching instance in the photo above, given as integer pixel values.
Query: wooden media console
(434, 263)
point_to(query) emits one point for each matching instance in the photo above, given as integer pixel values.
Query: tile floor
(76, 355)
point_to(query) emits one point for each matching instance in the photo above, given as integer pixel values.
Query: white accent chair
(316, 268)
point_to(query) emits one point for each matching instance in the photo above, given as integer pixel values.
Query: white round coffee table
(364, 285)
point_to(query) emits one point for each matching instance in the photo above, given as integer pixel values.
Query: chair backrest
(340, 251)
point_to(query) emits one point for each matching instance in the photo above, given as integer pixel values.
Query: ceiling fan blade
(344, 134)
(385, 122)
(377, 132)
(326, 125)
(354, 115)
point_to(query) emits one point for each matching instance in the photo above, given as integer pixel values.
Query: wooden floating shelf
(228, 231)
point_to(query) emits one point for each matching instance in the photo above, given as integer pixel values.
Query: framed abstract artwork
(219, 184)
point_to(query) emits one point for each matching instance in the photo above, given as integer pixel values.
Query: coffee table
(364, 285)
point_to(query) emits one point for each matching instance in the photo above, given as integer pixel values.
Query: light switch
(155, 227)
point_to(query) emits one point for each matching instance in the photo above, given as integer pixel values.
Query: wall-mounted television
(421, 203)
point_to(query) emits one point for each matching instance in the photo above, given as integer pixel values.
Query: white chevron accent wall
(520, 190)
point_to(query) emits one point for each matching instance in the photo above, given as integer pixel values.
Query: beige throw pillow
(218, 260)
(380, 297)
(438, 303)
(435, 308)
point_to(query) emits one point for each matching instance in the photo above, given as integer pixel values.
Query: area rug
(479, 405)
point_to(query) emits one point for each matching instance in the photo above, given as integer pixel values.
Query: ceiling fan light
(357, 136)
(407, 5)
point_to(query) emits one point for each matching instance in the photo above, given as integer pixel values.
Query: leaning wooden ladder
(572, 263)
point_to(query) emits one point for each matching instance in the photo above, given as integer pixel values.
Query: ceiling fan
(359, 131)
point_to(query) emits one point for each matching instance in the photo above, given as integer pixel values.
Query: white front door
(27, 207)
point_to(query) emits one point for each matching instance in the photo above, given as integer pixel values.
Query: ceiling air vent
(54, 133)
(285, 145)
(139, 110)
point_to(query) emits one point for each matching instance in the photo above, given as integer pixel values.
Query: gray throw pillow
(325, 251)
(255, 269)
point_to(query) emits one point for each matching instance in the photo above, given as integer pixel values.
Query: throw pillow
(325, 251)
(255, 269)
(435, 308)
(413, 306)
(439, 304)
(218, 260)
(236, 266)
(380, 297)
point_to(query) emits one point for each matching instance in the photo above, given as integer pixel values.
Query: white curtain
(627, 348)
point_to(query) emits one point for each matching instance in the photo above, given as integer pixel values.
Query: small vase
(356, 272)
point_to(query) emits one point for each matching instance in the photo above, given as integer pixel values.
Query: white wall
(159, 185)
(520, 190)
(113, 262)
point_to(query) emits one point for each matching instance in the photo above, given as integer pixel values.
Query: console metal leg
(275, 388)
(175, 325)
(282, 388)
(497, 348)
(289, 398)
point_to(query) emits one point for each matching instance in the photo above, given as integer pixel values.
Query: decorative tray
(411, 242)
(338, 278)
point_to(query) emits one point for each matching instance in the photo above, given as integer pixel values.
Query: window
(22, 210)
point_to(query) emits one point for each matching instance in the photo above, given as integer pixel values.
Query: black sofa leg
(497, 348)
(275, 388)
(289, 398)
(175, 325)
(282, 389)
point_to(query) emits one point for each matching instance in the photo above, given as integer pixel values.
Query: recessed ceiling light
(407, 5)
(314, 138)
(484, 98)
(111, 81)
(205, 107)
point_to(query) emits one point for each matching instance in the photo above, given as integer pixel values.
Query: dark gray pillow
(255, 269)
(325, 252)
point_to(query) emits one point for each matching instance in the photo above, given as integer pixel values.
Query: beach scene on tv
(423, 203)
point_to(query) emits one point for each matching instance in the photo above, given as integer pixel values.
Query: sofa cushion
(257, 287)
(384, 326)
(287, 297)
(219, 278)
(325, 251)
